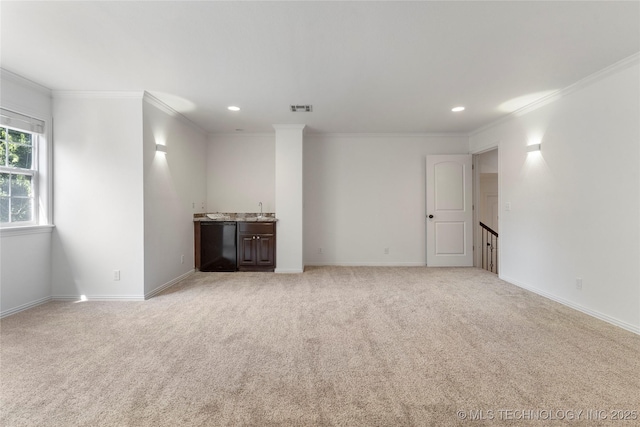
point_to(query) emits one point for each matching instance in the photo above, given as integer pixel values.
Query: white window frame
(33, 172)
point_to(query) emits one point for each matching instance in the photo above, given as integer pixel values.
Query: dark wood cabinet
(256, 246)
(197, 243)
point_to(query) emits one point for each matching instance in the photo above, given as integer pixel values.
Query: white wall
(575, 206)
(174, 189)
(487, 162)
(26, 280)
(241, 173)
(362, 193)
(98, 187)
(25, 276)
(365, 193)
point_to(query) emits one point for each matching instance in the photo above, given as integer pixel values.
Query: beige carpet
(335, 346)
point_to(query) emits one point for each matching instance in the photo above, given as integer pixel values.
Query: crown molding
(97, 94)
(242, 135)
(23, 81)
(389, 135)
(140, 95)
(156, 102)
(343, 134)
(561, 93)
(289, 127)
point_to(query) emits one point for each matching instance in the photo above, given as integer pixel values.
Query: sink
(218, 216)
(258, 219)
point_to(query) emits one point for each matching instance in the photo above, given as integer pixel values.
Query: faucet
(260, 216)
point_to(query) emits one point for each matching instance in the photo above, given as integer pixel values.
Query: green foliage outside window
(16, 176)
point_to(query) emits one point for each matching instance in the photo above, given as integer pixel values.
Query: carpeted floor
(335, 346)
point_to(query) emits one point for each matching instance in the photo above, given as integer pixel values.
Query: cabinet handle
(258, 237)
(254, 237)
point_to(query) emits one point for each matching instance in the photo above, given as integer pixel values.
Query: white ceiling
(364, 66)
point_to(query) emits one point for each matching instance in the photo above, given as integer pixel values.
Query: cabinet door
(246, 250)
(265, 250)
(196, 238)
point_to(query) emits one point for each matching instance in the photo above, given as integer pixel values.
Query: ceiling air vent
(301, 108)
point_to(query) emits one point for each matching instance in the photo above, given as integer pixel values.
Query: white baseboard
(44, 300)
(366, 264)
(288, 271)
(98, 298)
(24, 307)
(122, 297)
(167, 285)
(612, 320)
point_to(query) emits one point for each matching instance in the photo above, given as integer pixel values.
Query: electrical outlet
(579, 284)
(386, 251)
(116, 275)
(181, 259)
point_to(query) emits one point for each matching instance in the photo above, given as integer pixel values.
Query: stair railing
(489, 249)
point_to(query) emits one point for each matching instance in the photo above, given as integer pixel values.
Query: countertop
(269, 217)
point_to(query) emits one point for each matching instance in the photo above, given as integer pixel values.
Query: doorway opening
(486, 210)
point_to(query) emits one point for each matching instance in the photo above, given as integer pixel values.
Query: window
(18, 176)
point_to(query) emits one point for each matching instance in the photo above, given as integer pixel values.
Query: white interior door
(449, 211)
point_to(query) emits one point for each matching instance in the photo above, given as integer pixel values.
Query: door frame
(477, 234)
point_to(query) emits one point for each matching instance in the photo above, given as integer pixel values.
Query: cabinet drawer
(256, 227)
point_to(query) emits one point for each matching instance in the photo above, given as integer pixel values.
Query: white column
(289, 209)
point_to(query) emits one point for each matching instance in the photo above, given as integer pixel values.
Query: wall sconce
(534, 147)
(161, 148)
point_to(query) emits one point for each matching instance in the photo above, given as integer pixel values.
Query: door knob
(430, 216)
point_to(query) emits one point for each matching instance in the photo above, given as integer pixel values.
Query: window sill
(25, 229)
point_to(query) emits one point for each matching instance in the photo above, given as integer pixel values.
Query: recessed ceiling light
(457, 109)
(233, 108)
